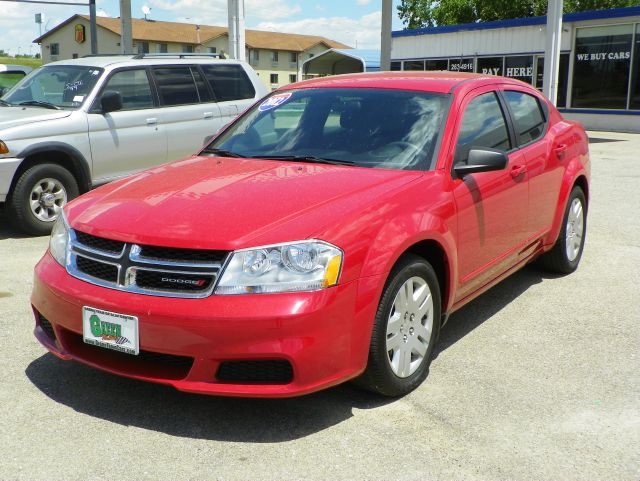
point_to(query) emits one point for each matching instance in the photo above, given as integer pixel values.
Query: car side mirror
(110, 101)
(481, 160)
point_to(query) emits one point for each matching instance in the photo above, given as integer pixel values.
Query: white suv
(75, 124)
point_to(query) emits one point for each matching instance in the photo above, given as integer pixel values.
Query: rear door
(232, 88)
(545, 152)
(130, 139)
(492, 206)
(190, 113)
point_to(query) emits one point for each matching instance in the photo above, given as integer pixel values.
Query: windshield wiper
(305, 158)
(40, 103)
(222, 153)
(4, 102)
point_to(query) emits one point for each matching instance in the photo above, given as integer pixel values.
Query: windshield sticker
(71, 86)
(78, 98)
(273, 102)
(95, 72)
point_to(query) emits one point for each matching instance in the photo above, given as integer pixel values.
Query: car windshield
(56, 86)
(379, 128)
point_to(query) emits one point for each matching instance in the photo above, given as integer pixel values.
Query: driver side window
(483, 125)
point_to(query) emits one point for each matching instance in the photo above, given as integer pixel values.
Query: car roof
(130, 60)
(433, 81)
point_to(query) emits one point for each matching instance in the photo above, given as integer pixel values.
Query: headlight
(292, 267)
(59, 240)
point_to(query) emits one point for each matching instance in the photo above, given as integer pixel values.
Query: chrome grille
(151, 270)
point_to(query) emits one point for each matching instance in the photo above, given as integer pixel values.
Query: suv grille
(152, 270)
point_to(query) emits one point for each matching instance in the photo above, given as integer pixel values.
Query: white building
(599, 82)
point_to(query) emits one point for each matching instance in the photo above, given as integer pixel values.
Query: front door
(130, 139)
(492, 206)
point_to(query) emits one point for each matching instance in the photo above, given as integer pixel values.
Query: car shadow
(7, 230)
(163, 409)
(472, 315)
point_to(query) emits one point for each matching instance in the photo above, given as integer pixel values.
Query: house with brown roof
(277, 57)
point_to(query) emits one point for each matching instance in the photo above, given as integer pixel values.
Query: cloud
(363, 32)
(214, 12)
(363, 2)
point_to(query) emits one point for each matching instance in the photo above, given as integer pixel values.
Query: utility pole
(93, 30)
(126, 41)
(552, 50)
(385, 36)
(235, 9)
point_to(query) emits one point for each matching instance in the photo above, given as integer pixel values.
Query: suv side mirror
(481, 160)
(110, 101)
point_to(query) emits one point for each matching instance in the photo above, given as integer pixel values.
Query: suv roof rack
(108, 55)
(178, 55)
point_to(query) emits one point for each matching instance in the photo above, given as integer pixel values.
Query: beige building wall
(273, 73)
(108, 42)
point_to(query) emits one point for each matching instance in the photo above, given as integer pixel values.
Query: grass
(31, 62)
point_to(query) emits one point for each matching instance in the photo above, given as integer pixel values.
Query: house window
(293, 78)
(293, 57)
(213, 49)
(55, 49)
(273, 78)
(274, 55)
(143, 47)
(255, 55)
(162, 48)
(187, 48)
(414, 65)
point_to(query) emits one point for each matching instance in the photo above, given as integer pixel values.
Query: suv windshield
(382, 128)
(56, 86)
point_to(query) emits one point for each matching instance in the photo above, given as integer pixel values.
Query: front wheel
(39, 196)
(405, 329)
(565, 255)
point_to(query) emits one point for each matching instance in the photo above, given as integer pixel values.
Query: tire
(402, 342)
(38, 197)
(565, 255)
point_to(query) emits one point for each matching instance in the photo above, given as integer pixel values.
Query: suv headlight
(292, 267)
(59, 240)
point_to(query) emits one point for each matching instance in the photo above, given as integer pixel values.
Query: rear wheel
(38, 197)
(567, 251)
(405, 329)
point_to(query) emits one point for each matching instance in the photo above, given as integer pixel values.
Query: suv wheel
(38, 197)
(405, 329)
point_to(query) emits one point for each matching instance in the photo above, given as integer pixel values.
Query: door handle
(208, 115)
(518, 170)
(152, 121)
(560, 151)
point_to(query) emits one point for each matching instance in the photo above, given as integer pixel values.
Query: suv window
(176, 86)
(133, 86)
(483, 125)
(229, 82)
(528, 117)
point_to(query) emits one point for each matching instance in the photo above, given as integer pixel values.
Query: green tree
(429, 13)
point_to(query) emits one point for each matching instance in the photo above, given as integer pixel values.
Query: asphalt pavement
(538, 379)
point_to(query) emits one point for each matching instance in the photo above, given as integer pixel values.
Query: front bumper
(324, 335)
(8, 168)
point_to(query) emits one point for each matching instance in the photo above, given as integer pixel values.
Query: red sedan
(325, 235)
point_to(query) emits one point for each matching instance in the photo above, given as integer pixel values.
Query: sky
(354, 22)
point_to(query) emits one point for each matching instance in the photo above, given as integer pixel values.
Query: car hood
(16, 116)
(223, 203)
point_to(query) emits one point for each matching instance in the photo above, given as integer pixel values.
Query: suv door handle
(560, 151)
(518, 170)
(152, 121)
(208, 115)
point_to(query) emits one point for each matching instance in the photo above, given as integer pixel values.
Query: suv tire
(38, 197)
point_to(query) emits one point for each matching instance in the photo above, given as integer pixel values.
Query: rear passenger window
(133, 86)
(483, 125)
(176, 86)
(529, 118)
(203, 91)
(229, 82)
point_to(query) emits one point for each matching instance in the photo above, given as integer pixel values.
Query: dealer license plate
(110, 330)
